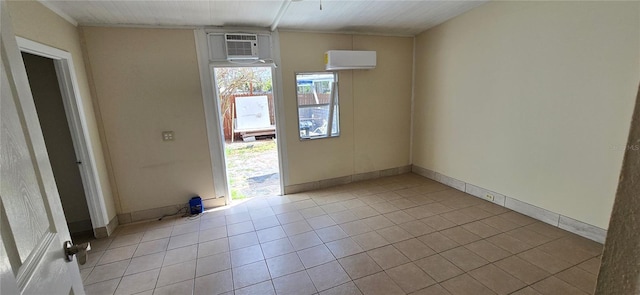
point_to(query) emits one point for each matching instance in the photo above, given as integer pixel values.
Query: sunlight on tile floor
(397, 235)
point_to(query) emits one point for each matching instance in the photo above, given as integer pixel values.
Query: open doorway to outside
(247, 111)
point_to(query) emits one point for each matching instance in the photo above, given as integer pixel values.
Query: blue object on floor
(195, 205)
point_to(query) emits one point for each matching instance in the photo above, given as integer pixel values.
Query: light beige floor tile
(212, 234)
(343, 217)
(355, 228)
(315, 256)
(509, 243)
(460, 235)
(321, 221)
(437, 222)
(410, 277)
(331, 233)
(359, 265)
(545, 261)
(417, 228)
(305, 240)
(555, 286)
(344, 247)
(250, 274)
(526, 291)
(271, 234)
(117, 254)
(394, 234)
(466, 285)
(438, 267)
(579, 278)
(432, 290)
(364, 212)
(487, 250)
(151, 247)
(399, 217)
(240, 228)
(156, 234)
(266, 222)
(328, 275)
(107, 272)
(438, 242)
(264, 288)
(144, 263)
(345, 289)
(378, 222)
(185, 287)
(289, 217)
(180, 255)
(243, 240)
(177, 273)
(464, 259)
(213, 284)
(284, 265)
(387, 257)
(102, 288)
(496, 279)
(277, 248)
(414, 249)
(185, 228)
(212, 264)
(522, 269)
(139, 282)
(213, 247)
(294, 284)
(183, 240)
(246, 255)
(378, 284)
(296, 228)
(126, 240)
(481, 229)
(237, 218)
(370, 240)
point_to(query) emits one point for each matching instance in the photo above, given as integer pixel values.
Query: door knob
(79, 250)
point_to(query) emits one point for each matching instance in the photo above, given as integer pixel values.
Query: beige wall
(375, 107)
(531, 100)
(35, 22)
(147, 81)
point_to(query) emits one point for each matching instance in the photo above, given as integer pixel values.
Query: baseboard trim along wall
(105, 231)
(155, 213)
(580, 228)
(320, 184)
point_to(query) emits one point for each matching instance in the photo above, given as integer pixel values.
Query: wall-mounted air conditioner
(349, 60)
(241, 46)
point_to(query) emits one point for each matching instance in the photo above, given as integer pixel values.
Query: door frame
(215, 131)
(74, 110)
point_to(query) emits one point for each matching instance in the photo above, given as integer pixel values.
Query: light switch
(167, 135)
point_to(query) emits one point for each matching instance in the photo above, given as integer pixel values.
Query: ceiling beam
(281, 12)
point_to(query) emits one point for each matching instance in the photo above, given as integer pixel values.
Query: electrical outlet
(489, 197)
(167, 135)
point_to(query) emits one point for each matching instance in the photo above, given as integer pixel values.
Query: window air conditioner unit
(349, 60)
(241, 46)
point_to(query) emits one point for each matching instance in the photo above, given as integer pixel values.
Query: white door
(33, 227)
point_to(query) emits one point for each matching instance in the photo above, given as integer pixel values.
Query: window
(318, 112)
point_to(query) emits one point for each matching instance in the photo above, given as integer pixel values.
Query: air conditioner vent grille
(242, 37)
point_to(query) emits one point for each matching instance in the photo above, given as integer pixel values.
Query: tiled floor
(396, 235)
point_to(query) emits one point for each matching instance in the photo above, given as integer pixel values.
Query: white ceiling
(397, 17)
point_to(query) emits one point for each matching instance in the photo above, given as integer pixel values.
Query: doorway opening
(247, 111)
(48, 99)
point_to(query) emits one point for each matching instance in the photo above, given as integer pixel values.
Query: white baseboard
(580, 228)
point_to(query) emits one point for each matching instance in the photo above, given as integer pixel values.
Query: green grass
(236, 195)
(258, 147)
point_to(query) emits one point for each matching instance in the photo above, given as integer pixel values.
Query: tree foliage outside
(233, 81)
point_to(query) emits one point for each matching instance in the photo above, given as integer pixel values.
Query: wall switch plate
(489, 197)
(167, 136)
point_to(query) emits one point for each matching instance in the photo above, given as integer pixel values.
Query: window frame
(334, 97)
